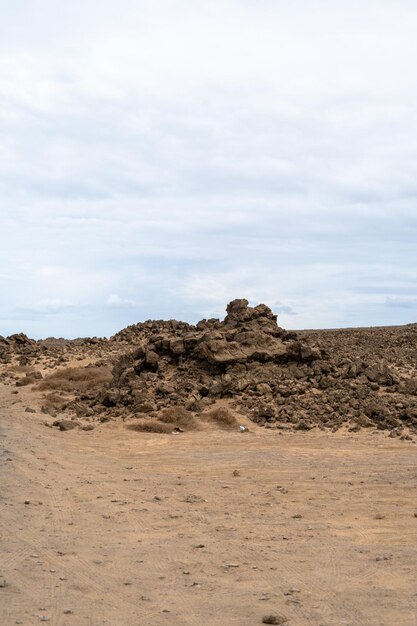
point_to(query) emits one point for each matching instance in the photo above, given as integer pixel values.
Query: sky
(160, 158)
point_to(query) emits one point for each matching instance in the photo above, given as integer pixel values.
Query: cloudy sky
(159, 158)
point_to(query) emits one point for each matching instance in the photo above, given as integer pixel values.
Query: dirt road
(118, 528)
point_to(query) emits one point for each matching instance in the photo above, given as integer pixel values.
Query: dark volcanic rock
(281, 379)
(173, 363)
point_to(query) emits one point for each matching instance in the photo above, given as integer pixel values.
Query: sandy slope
(115, 519)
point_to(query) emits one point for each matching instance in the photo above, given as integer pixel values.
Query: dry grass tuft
(77, 379)
(222, 417)
(178, 416)
(151, 426)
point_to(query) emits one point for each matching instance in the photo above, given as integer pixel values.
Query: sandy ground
(118, 528)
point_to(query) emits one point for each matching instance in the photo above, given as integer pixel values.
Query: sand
(118, 528)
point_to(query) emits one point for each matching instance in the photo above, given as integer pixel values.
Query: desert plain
(224, 473)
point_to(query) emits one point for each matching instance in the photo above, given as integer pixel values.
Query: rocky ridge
(279, 379)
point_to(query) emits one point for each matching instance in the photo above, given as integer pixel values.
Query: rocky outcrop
(279, 379)
(273, 376)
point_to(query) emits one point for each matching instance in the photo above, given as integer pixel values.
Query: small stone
(274, 619)
(68, 612)
(192, 499)
(265, 596)
(297, 516)
(27, 501)
(2, 582)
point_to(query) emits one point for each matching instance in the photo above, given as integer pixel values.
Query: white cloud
(196, 152)
(116, 301)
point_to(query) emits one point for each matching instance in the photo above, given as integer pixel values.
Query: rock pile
(279, 379)
(275, 377)
(17, 345)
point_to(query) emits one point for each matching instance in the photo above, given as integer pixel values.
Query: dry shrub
(151, 426)
(221, 416)
(178, 416)
(80, 379)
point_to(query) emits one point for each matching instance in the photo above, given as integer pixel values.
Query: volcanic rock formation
(273, 376)
(360, 377)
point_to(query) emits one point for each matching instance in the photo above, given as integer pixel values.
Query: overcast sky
(159, 158)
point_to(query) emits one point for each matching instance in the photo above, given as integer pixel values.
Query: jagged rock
(410, 386)
(66, 424)
(364, 377)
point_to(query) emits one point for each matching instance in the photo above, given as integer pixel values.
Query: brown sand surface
(118, 528)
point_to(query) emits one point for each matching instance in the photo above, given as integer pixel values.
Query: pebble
(274, 619)
(265, 596)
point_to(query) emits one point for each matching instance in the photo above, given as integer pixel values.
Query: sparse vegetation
(178, 416)
(77, 379)
(221, 416)
(151, 426)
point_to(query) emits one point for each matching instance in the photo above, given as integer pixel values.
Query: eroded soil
(118, 528)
